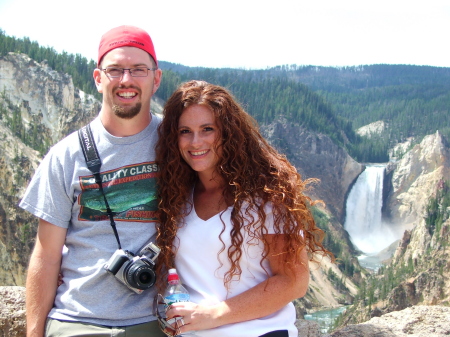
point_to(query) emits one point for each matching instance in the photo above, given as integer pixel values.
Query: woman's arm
(269, 296)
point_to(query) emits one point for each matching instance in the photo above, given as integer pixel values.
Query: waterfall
(363, 212)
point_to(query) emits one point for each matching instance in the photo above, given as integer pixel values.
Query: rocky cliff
(316, 156)
(416, 321)
(421, 176)
(38, 106)
(419, 271)
(43, 97)
(419, 321)
(414, 179)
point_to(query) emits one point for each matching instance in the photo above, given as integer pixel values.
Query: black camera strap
(94, 163)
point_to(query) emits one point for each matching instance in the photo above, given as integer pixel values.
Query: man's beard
(126, 113)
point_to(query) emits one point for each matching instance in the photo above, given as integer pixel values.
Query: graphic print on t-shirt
(130, 192)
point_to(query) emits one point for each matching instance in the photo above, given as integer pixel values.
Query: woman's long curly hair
(255, 175)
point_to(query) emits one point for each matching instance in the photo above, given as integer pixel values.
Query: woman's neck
(210, 182)
(209, 197)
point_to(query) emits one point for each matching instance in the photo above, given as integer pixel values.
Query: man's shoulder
(70, 142)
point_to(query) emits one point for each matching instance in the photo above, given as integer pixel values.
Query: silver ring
(180, 322)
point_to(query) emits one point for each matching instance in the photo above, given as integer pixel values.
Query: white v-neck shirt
(201, 272)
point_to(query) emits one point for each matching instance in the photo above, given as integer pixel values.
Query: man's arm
(42, 276)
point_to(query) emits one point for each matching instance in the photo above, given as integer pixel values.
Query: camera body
(134, 271)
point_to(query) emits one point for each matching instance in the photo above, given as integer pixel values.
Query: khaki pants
(55, 328)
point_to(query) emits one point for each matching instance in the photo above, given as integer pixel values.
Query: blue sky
(247, 33)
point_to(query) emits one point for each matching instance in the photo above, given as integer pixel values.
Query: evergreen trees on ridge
(413, 101)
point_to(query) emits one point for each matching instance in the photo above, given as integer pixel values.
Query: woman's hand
(195, 316)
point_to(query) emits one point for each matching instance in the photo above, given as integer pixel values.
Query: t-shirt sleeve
(47, 194)
(268, 208)
(269, 218)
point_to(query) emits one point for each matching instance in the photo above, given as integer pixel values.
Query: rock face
(414, 179)
(418, 321)
(17, 163)
(38, 106)
(44, 96)
(430, 257)
(421, 262)
(12, 312)
(371, 129)
(316, 156)
(419, 177)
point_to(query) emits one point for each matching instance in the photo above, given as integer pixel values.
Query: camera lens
(139, 275)
(145, 277)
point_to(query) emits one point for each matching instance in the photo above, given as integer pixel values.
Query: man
(75, 235)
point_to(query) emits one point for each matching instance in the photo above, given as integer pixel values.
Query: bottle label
(174, 298)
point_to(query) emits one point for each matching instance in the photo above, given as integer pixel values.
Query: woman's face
(198, 133)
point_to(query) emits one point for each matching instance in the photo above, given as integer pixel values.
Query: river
(325, 318)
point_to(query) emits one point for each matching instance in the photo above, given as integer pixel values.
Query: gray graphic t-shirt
(63, 192)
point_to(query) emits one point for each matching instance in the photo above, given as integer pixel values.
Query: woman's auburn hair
(255, 175)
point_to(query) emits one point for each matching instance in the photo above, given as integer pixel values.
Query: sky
(247, 34)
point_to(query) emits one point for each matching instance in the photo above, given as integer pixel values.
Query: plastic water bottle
(175, 292)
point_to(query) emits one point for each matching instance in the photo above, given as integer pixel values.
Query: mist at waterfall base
(363, 222)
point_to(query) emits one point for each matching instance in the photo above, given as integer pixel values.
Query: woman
(234, 220)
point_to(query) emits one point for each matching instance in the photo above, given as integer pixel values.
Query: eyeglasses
(170, 327)
(114, 72)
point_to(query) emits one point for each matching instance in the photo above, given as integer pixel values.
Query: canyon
(39, 106)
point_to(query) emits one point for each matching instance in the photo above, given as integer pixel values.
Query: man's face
(127, 96)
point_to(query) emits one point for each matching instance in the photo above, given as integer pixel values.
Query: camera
(134, 271)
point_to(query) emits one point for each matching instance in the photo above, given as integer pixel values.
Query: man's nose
(125, 77)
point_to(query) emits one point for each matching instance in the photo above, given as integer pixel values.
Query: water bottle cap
(173, 275)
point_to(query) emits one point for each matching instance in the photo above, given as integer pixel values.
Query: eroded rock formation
(38, 106)
(417, 321)
(415, 178)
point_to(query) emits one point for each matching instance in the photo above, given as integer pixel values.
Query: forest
(79, 67)
(413, 101)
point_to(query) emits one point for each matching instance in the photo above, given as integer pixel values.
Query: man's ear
(98, 79)
(157, 79)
